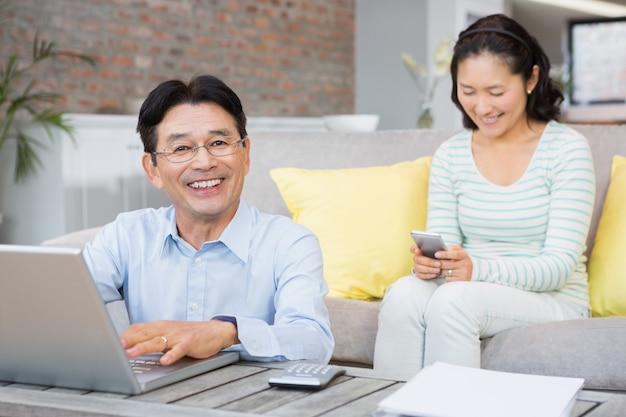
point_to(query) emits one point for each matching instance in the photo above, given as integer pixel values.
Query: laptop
(55, 330)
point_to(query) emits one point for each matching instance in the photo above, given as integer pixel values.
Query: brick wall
(283, 57)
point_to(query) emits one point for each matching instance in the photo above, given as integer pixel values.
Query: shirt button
(255, 345)
(194, 307)
(198, 260)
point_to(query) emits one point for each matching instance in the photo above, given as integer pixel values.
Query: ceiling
(556, 13)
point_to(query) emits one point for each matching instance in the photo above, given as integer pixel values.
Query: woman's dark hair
(201, 89)
(503, 37)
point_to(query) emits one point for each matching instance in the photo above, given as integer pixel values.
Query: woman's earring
(529, 92)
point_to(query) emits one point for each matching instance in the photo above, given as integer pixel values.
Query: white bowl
(351, 122)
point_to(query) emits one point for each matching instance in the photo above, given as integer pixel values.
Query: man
(209, 272)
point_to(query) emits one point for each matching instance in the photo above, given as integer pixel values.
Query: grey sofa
(590, 348)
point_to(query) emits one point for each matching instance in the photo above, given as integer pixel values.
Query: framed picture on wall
(597, 61)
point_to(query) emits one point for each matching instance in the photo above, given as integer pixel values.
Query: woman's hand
(453, 264)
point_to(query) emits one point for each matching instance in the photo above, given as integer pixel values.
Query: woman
(512, 196)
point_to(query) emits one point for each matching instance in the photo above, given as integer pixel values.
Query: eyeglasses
(178, 152)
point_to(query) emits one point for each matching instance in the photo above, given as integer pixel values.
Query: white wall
(31, 211)
(385, 29)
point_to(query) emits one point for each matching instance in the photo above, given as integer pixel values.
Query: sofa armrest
(592, 349)
(116, 309)
(76, 239)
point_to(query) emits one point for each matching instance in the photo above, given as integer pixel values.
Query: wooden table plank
(102, 394)
(269, 399)
(232, 391)
(364, 406)
(583, 407)
(30, 387)
(17, 401)
(613, 406)
(198, 384)
(330, 398)
(70, 391)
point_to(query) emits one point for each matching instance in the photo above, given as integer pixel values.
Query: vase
(425, 118)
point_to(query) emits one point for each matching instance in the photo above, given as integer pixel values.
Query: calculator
(306, 375)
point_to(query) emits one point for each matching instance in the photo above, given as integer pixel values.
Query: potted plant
(23, 104)
(426, 90)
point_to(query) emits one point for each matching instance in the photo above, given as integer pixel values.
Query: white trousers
(425, 321)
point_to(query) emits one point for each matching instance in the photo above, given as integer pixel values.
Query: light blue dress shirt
(264, 271)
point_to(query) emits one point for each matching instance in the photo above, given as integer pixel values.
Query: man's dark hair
(201, 89)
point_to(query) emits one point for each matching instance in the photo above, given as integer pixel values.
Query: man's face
(206, 188)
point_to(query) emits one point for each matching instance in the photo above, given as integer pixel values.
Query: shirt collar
(170, 235)
(238, 233)
(236, 236)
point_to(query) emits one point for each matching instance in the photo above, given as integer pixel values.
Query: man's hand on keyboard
(179, 338)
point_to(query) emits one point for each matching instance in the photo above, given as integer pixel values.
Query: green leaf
(28, 106)
(27, 161)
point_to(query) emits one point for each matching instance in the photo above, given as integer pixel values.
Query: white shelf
(596, 113)
(88, 181)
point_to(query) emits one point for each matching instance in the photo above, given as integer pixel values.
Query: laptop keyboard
(141, 366)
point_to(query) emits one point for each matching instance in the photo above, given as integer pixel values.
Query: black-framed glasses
(177, 152)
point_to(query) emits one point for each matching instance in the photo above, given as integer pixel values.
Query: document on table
(443, 390)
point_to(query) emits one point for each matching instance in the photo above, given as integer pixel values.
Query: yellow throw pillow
(363, 218)
(607, 263)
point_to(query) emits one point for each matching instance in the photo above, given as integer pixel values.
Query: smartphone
(429, 243)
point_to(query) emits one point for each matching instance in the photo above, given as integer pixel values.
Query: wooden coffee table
(241, 390)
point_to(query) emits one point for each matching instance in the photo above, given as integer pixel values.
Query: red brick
(284, 57)
(261, 23)
(122, 60)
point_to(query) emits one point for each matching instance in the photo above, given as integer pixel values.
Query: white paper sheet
(444, 390)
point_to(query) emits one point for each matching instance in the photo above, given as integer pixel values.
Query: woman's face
(493, 97)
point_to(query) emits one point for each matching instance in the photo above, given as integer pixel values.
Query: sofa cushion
(607, 263)
(354, 324)
(592, 349)
(362, 217)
